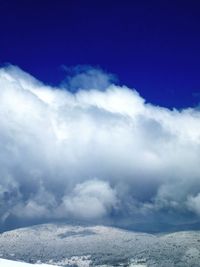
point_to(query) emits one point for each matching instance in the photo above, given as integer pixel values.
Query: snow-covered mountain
(68, 245)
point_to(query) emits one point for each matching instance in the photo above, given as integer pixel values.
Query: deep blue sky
(153, 46)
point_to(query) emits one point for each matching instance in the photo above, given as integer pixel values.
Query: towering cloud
(100, 153)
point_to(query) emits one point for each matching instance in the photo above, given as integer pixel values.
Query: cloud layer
(94, 154)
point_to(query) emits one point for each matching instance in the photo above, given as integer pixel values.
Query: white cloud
(54, 143)
(86, 78)
(193, 203)
(90, 200)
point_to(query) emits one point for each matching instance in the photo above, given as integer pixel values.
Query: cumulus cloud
(90, 199)
(86, 78)
(94, 154)
(193, 203)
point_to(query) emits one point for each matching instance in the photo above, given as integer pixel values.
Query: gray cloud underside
(94, 154)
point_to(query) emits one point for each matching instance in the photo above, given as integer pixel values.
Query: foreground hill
(68, 245)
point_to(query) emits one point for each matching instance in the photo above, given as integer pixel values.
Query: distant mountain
(156, 227)
(68, 245)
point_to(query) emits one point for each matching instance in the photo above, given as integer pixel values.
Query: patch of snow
(9, 263)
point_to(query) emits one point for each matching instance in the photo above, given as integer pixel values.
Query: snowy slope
(9, 263)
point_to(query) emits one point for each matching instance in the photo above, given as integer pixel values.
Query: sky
(99, 113)
(152, 46)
